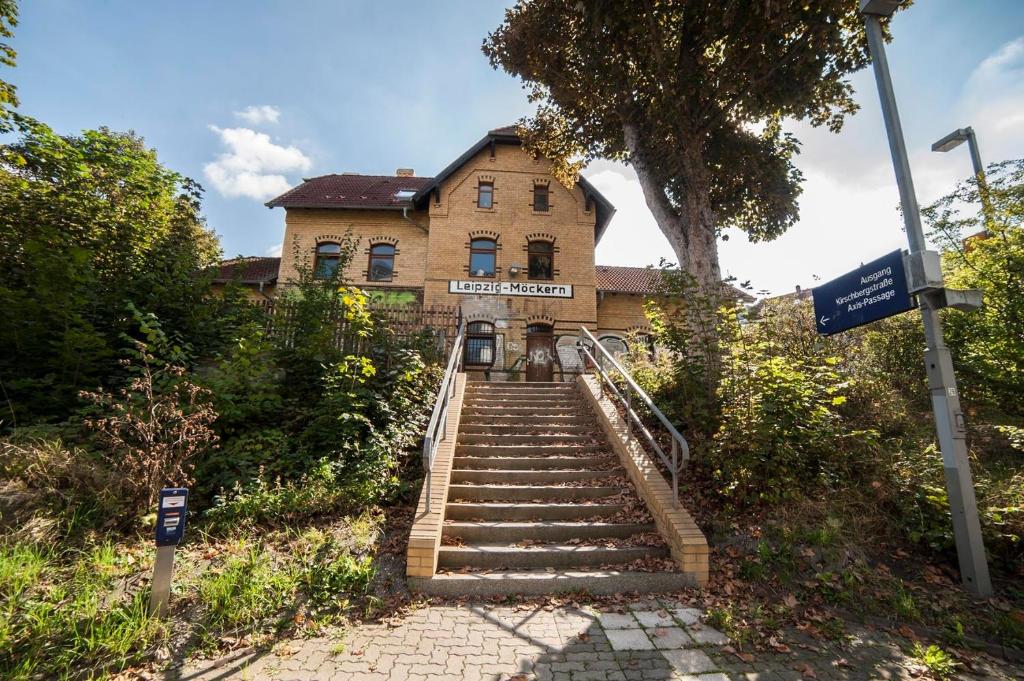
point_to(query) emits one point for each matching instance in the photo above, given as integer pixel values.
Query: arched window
(483, 257)
(328, 259)
(541, 260)
(479, 344)
(382, 263)
(615, 346)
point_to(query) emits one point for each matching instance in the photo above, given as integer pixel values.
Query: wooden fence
(430, 328)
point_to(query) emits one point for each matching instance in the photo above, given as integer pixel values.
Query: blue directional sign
(170, 516)
(869, 293)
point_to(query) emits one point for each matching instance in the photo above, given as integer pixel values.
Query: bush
(779, 426)
(152, 428)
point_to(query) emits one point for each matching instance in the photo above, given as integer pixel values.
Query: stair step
(481, 531)
(524, 387)
(576, 429)
(527, 492)
(508, 463)
(556, 556)
(499, 512)
(541, 582)
(521, 438)
(528, 398)
(490, 410)
(574, 419)
(513, 476)
(528, 450)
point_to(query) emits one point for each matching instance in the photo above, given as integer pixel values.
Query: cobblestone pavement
(646, 640)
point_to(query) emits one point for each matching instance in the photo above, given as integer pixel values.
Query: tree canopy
(692, 94)
(94, 231)
(8, 20)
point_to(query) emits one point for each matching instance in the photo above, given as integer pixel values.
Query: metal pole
(979, 175)
(949, 419)
(160, 591)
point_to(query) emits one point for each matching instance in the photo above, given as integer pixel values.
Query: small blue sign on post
(170, 517)
(869, 293)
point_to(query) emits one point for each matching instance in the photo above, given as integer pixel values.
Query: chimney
(405, 172)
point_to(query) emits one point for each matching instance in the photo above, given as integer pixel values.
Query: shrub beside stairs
(536, 491)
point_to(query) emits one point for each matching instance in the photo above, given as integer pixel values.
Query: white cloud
(254, 115)
(253, 164)
(274, 251)
(993, 98)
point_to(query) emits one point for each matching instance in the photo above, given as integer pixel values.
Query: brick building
(493, 233)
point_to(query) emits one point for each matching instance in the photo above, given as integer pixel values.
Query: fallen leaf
(805, 670)
(790, 601)
(907, 632)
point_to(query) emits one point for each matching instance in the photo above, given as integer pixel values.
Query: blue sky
(251, 96)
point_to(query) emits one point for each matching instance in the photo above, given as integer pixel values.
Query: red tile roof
(627, 279)
(350, 191)
(250, 270)
(644, 281)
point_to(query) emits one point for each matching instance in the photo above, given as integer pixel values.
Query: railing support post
(428, 449)
(675, 473)
(629, 415)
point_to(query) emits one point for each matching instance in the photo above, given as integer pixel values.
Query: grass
(58, 615)
(245, 592)
(82, 611)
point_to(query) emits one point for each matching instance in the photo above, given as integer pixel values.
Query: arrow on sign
(824, 320)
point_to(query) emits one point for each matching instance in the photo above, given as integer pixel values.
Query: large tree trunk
(690, 230)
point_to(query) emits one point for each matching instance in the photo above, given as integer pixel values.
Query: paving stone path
(645, 640)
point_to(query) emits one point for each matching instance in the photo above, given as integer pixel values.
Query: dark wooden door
(540, 353)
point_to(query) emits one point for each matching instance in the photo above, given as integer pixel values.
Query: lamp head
(952, 140)
(882, 8)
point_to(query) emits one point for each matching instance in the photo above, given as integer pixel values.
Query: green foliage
(986, 253)
(59, 615)
(90, 226)
(940, 663)
(314, 409)
(779, 424)
(8, 20)
(248, 591)
(327, 572)
(259, 501)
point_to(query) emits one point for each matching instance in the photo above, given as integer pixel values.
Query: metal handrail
(680, 449)
(439, 417)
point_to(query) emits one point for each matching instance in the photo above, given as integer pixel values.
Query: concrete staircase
(539, 503)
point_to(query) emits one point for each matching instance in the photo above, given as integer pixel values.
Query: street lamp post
(949, 419)
(955, 139)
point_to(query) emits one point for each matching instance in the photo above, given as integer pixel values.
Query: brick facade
(432, 236)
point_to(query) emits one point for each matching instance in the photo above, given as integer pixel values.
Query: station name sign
(510, 288)
(869, 293)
